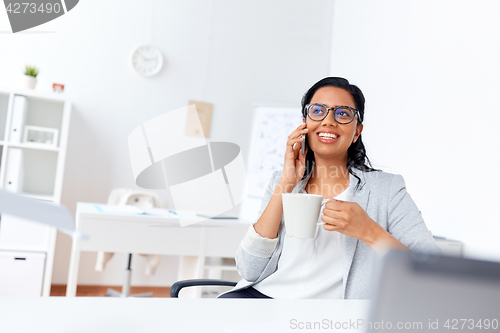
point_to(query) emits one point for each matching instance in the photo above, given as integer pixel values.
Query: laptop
(415, 292)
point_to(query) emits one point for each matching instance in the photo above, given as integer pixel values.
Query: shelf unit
(42, 169)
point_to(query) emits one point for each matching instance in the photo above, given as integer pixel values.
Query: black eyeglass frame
(306, 112)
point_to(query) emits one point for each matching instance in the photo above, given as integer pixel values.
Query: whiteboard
(270, 131)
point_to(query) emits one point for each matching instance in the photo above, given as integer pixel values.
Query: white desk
(112, 232)
(127, 315)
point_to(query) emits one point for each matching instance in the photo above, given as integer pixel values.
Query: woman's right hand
(294, 166)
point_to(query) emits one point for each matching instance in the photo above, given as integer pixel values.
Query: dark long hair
(356, 154)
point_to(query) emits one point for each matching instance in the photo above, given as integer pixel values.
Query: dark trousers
(245, 293)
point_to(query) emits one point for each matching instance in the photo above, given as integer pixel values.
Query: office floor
(89, 291)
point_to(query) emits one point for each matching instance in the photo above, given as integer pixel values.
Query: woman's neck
(330, 170)
(328, 179)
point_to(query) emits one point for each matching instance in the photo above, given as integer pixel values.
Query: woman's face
(346, 133)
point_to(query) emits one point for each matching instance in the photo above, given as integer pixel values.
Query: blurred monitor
(430, 293)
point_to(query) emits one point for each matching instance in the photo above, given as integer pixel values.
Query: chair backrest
(123, 196)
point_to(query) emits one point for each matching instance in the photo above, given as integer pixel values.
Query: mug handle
(322, 203)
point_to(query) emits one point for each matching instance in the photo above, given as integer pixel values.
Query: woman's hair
(356, 154)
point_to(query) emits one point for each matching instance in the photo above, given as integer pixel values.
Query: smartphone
(304, 137)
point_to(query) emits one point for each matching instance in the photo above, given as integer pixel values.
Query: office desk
(121, 232)
(127, 315)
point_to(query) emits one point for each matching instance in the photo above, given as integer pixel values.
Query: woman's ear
(359, 129)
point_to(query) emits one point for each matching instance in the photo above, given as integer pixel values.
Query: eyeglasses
(341, 114)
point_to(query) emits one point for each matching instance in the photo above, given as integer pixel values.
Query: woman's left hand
(349, 219)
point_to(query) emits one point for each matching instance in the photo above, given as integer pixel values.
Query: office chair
(177, 286)
(134, 198)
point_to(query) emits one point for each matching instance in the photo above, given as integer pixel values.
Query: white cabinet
(33, 137)
(22, 273)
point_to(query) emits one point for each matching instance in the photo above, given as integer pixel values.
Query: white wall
(230, 53)
(429, 71)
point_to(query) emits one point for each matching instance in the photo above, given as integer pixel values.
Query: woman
(370, 209)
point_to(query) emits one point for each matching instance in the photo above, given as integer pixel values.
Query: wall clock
(147, 60)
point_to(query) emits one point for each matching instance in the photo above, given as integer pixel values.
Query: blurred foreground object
(439, 293)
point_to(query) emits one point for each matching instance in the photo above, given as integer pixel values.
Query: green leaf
(31, 71)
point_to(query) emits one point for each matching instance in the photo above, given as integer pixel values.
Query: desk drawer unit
(21, 273)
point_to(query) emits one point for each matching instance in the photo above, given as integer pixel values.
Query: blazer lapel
(361, 198)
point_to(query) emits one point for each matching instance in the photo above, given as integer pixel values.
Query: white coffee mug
(301, 213)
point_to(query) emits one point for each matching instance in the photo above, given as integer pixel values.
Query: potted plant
(30, 74)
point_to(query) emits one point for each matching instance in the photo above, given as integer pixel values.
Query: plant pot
(29, 82)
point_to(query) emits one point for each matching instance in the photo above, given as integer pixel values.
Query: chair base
(126, 285)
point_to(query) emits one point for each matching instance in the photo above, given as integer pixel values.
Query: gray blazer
(383, 196)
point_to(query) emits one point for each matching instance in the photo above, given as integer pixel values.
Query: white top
(308, 268)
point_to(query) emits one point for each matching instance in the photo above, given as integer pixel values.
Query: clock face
(147, 60)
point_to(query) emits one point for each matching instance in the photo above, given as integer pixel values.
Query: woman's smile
(327, 136)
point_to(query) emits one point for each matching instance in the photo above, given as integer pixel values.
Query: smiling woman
(367, 209)
(353, 153)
